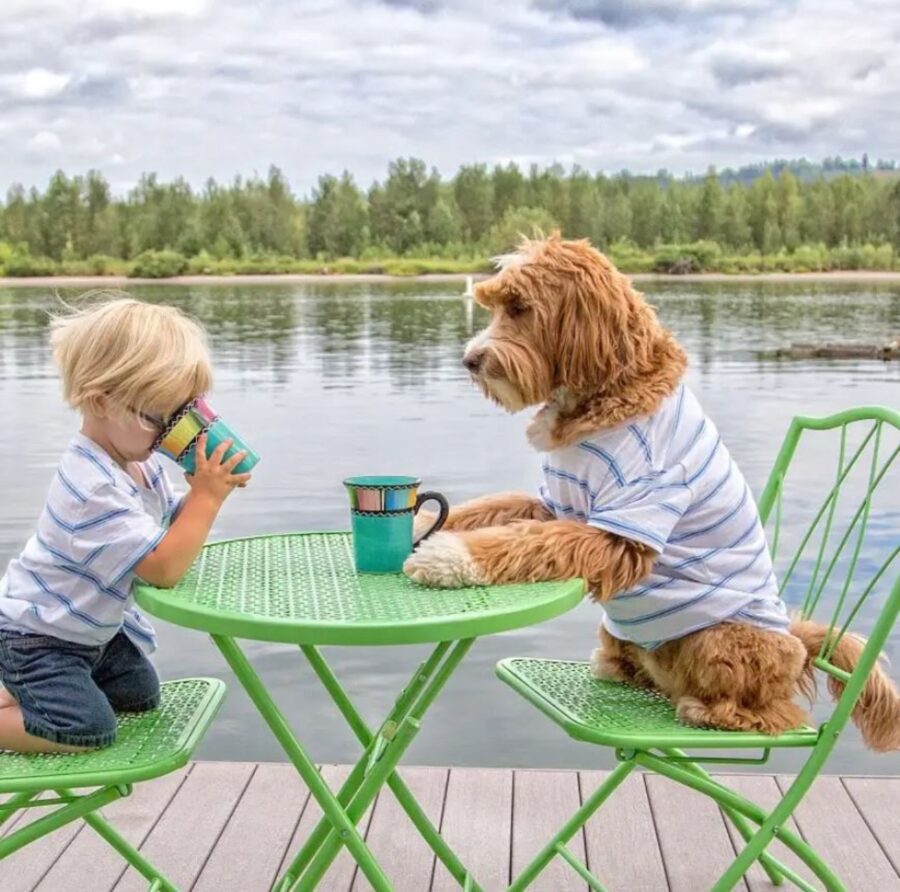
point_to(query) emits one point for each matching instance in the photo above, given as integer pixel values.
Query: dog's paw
(694, 712)
(598, 664)
(443, 561)
(604, 668)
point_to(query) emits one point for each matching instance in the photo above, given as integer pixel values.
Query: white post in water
(470, 291)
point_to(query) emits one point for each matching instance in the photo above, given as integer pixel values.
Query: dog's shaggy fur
(568, 333)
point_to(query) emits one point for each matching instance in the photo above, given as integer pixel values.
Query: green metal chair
(641, 725)
(148, 745)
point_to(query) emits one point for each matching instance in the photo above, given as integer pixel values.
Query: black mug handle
(442, 513)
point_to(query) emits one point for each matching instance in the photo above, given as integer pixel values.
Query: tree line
(845, 219)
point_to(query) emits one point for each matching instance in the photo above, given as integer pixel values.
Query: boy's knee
(127, 677)
(142, 692)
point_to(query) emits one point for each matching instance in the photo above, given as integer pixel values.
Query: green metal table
(303, 589)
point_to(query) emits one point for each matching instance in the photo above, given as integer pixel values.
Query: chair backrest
(842, 565)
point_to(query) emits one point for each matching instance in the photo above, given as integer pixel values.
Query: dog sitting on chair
(640, 498)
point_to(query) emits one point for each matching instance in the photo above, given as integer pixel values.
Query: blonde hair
(140, 357)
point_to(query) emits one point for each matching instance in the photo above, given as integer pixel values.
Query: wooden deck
(229, 826)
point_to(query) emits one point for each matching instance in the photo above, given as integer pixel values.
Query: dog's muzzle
(473, 361)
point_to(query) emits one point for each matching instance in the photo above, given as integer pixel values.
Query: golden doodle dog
(640, 498)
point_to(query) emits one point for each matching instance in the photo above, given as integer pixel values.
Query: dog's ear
(598, 317)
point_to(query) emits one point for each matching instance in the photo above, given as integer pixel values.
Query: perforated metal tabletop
(303, 588)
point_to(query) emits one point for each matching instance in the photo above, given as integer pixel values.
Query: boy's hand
(214, 477)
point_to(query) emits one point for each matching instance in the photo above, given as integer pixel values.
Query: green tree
(790, 210)
(509, 189)
(805, 208)
(646, 203)
(671, 215)
(443, 224)
(474, 193)
(399, 209)
(735, 227)
(516, 224)
(763, 214)
(581, 206)
(338, 219)
(708, 223)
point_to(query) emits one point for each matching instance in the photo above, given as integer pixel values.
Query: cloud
(734, 69)
(634, 13)
(37, 84)
(218, 87)
(424, 6)
(44, 142)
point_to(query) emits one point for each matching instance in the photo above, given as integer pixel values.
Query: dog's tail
(877, 711)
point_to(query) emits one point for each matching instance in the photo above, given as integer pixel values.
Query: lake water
(332, 379)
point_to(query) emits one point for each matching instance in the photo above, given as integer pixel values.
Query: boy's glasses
(153, 420)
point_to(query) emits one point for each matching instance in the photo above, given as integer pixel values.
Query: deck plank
(878, 800)
(831, 823)
(542, 802)
(477, 825)
(232, 827)
(187, 830)
(405, 857)
(622, 848)
(90, 862)
(691, 830)
(250, 849)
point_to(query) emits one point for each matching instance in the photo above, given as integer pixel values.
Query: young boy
(73, 645)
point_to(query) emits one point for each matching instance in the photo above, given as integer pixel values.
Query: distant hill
(808, 170)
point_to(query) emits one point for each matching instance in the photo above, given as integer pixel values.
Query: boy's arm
(178, 549)
(213, 480)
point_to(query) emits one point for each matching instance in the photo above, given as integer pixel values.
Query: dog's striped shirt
(73, 579)
(668, 481)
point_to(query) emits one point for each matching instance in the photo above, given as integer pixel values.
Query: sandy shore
(297, 278)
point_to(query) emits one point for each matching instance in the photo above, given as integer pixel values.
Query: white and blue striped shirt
(73, 579)
(668, 481)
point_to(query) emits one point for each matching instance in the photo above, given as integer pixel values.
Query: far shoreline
(375, 278)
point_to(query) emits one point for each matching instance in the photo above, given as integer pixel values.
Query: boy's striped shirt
(73, 579)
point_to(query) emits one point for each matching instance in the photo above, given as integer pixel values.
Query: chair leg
(571, 827)
(79, 808)
(771, 825)
(158, 882)
(769, 864)
(84, 807)
(10, 806)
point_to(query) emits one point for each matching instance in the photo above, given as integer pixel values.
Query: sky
(200, 88)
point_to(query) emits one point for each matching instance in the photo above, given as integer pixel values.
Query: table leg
(411, 705)
(362, 732)
(375, 768)
(318, 788)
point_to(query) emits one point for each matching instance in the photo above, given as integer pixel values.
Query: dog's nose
(472, 360)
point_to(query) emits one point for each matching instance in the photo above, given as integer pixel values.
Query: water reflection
(416, 327)
(333, 379)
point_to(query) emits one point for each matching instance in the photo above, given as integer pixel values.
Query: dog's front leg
(488, 511)
(531, 551)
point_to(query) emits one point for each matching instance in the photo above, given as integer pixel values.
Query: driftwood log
(888, 350)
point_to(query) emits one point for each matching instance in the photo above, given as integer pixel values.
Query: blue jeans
(69, 693)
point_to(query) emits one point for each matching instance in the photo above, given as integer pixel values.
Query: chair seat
(620, 715)
(148, 744)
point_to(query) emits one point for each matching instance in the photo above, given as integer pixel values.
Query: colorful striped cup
(382, 511)
(216, 434)
(178, 441)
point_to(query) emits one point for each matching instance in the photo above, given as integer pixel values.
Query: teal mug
(382, 510)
